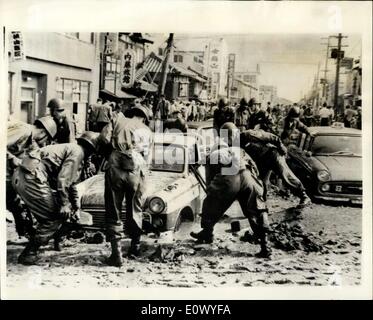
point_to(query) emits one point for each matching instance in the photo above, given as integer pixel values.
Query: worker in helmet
(268, 152)
(46, 181)
(224, 113)
(127, 141)
(22, 138)
(232, 175)
(65, 125)
(291, 124)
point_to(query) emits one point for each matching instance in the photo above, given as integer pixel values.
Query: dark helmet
(252, 102)
(138, 111)
(294, 112)
(89, 139)
(48, 124)
(56, 104)
(243, 102)
(222, 102)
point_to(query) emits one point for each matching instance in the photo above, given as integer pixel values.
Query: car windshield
(168, 157)
(337, 145)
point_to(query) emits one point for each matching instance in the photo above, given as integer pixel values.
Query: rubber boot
(29, 255)
(265, 250)
(204, 236)
(304, 200)
(115, 258)
(134, 250)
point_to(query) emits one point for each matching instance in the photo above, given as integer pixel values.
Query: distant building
(112, 48)
(267, 94)
(252, 81)
(63, 65)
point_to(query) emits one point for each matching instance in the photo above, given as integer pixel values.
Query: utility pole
(325, 82)
(339, 57)
(169, 50)
(317, 84)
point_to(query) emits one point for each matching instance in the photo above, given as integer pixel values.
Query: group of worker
(45, 162)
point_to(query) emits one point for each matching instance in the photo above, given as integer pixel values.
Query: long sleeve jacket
(258, 142)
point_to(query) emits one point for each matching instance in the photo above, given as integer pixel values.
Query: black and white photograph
(180, 159)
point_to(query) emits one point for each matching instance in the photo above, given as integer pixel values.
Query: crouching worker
(46, 181)
(232, 175)
(23, 138)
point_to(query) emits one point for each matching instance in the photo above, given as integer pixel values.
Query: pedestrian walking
(325, 115)
(46, 181)
(127, 141)
(104, 114)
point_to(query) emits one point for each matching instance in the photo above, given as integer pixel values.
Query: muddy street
(319, 248)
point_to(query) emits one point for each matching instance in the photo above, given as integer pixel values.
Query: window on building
(72, 90)
(160, 51)
(178, 58)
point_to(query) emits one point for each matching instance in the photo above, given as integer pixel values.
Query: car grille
(98, 218)
(346, 188)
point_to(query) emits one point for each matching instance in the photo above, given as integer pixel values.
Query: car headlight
(156, 205)
(323, 175)
(325, 187)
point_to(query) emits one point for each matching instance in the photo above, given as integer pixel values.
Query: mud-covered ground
(326, 243)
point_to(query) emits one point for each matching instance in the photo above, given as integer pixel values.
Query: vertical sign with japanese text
(128, 68)
(16, 46)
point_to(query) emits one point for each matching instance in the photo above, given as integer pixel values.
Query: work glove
(65, 212)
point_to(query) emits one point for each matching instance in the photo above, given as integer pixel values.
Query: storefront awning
(118, 95)
(153, 64)
(146, 86)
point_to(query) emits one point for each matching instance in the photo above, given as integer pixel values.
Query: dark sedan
(329, 164)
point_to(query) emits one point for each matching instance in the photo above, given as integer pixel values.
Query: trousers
(225, 189)
(273, 161)
(41, 200)
(129, 185)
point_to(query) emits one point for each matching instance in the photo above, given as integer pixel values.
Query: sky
(288, 61)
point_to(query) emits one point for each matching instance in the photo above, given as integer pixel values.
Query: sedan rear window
(337, 145)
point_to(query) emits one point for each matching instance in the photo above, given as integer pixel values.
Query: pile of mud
(288, 237)
(292, 236)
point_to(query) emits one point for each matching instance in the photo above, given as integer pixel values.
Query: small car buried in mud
(330, 163)
(174, 193)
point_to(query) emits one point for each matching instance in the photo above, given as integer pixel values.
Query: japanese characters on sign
(231, 64)
(128, 68)
(16, 46)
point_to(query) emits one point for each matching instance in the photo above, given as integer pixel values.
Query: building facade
(62, 65)
(268, 94)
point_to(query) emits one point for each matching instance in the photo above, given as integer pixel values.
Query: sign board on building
(231, 64)
(347, 63)
(127, 75)
(111, 46)
(16, 46)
